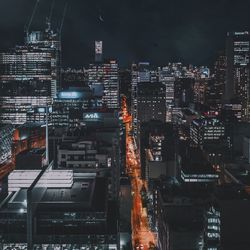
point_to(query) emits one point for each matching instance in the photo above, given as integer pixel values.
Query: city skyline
(163, 31)
(124, 125)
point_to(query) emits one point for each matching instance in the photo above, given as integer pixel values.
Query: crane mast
(32, 17)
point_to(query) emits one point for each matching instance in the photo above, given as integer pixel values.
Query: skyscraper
(237, 73)
(220, 76)
(98, 51)
(29, 76)
(104, 77)
(140, 74)
(168, 79)
(184, 91)
(151, 103)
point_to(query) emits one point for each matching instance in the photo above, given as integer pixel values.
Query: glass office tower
(29, 77)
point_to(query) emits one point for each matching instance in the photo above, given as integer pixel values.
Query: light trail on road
(142, 236)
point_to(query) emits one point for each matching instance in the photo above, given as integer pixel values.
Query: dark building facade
(151, 103)
(157, 149)
(184, 92)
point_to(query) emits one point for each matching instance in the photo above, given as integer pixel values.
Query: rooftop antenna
(32, 17)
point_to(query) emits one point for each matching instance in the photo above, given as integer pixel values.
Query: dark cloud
(132, 30)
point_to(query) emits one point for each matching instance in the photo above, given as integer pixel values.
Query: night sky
(158, 31)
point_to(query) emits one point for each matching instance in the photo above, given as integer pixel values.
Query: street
(142, 237)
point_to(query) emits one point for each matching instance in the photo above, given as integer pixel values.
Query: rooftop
(86, 194)
(193, 161)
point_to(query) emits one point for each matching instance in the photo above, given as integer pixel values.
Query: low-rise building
(58, 208)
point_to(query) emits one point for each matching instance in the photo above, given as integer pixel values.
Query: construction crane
(27, 27)
(51, 10)
(63, 17)
(32, 17)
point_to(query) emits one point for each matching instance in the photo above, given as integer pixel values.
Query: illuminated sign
(43, 110)
(91, 116)
(241, 33)
(69, 95)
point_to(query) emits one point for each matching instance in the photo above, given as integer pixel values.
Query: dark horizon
(159, 32)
